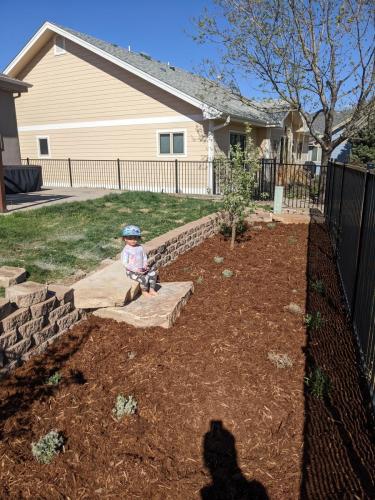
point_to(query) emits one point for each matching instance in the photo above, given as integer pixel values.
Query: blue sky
(160, 29)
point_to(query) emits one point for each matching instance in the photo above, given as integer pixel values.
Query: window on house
(237, 138)
(314, 154)
(59, 45)
(43, 146)
(171, 143)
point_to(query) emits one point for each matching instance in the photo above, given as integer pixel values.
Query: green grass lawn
(54, 242)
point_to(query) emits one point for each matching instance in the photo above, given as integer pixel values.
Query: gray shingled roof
(338, 118)
(206, 91)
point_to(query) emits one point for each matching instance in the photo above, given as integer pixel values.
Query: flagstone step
(160, 310)
(107, 287)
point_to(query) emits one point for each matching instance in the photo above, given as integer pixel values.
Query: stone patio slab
(161, 310)
(108, 287)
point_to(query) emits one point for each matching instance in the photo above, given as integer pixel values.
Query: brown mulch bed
(216, 418)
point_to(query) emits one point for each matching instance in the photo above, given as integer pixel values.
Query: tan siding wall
(136, 142)
(81, 86)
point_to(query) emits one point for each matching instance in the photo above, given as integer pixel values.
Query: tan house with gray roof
(94, 100)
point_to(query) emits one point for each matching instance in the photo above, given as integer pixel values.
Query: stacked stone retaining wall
(33, 315)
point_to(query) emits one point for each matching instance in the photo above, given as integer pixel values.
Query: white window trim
(171, 131)
(38, 147)
(59, 51)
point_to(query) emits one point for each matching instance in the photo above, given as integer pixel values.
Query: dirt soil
(216, 418)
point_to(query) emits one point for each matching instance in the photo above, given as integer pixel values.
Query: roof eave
(47, 26)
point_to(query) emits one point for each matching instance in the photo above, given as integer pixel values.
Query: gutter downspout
(211, 150)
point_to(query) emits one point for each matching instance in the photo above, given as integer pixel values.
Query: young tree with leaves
(316, 55)
(237, 180)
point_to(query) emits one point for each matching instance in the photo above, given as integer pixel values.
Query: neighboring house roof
(12, 85)
(215, 100)
(339, 119)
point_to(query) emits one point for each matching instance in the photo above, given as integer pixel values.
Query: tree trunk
(233, 238)
(326, 155)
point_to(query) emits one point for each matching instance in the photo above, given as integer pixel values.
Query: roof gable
(214, 100)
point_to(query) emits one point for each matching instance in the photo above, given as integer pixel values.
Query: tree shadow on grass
(339, 453)
(28, 383)
(220, 458)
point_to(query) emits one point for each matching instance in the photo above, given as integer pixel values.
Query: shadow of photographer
(220, 458)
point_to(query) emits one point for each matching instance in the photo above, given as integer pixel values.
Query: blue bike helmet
(131, 231)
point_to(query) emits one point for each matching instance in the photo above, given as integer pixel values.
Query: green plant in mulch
(2, 291)
(318, 286)
(280, 360)
(218, 259)
(227, 273)
(54, 379)
(200, 280)
(318, 383)
(314, 321)
(271, 225)
(47, 447)
(292, 240)
(264, 196)
(125, 405)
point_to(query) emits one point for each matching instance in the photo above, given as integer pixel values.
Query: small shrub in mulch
(227, 273)
(317, 286)
(318, 383)
(125, 405)
(47, 447)
(218, 259)
(54, 379)
(314, 321)
(280, 360)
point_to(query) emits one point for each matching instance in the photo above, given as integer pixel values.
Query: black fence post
(213, 166)
(176, 175)
(28, 160)
(118, 173)
(338, 229)
(70, 172)
(359, 246)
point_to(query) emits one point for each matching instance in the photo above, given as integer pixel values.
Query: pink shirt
(134, 258)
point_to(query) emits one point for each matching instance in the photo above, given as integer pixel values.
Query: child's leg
(140, 278)
(152, 278)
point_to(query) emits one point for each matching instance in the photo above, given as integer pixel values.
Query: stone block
(106, 288)
(17, 350)
(45, 334)
(8, 339)
(16, 319)
(11, 275)
(62, 293)
(59, 312)
(26, 294)
(68, 320)
(161, 310)
(31, 327)
(43, 308)
(6, 308)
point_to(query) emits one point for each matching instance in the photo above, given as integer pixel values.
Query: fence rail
(350, 215)
(304, 186)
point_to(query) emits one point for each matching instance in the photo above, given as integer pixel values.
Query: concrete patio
(52, 196)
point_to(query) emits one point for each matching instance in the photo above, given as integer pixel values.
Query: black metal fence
(304, 186)
(350, 214)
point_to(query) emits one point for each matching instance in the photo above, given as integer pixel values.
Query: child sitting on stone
(134, 259)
